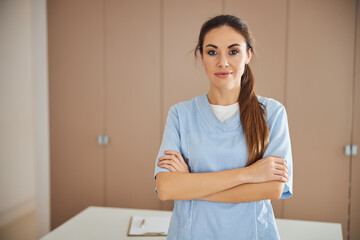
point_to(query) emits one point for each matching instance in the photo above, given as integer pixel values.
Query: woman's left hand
(173, 161)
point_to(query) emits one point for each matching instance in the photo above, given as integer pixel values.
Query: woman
(226, 153)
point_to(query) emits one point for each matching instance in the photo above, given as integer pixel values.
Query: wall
(41, 115)
(17, 183)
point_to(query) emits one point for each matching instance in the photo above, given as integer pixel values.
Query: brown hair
(252, 113)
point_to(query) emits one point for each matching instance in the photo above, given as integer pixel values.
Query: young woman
(226, 153)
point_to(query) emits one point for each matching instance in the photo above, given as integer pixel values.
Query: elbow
(161, 195)
(276, 190)
(161, 189)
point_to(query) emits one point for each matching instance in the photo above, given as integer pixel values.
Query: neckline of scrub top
(212, 121)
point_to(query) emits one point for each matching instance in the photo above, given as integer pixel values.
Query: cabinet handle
(106, 139)
(351, 150)
(103, 140)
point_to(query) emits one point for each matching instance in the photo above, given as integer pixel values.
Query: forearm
(187, 186)
(248, 192)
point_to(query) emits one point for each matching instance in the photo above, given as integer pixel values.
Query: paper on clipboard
(154, 226)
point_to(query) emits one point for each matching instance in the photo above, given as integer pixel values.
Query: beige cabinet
(116, 67)
(354, 218)
(75, 39)
(132, 78)
(319, 95)
(104, 66)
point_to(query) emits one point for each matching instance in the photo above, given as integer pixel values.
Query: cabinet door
(268, 62)
(355, 161)
(75, 36)
(319, 100)
(132, 79)
(183, 77)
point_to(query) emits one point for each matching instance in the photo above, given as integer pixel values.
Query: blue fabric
(208, 145)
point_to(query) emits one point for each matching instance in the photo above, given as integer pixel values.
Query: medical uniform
(208, 145)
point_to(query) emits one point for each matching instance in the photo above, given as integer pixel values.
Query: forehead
(223, 36)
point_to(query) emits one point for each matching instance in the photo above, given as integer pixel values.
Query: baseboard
(17, 211)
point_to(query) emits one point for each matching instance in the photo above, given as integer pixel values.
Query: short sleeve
(280, 145)
(170, 140)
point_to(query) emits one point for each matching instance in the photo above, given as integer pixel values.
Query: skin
(224, 91)
(262, 180)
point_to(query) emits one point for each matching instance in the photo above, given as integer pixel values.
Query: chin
(225, 86)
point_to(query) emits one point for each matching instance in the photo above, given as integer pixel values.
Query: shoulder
(186, 106)
(273, 107)
(271, 104)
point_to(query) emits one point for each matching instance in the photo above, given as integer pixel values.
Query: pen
(142, 223)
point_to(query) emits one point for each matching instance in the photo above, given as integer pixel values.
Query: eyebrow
(214, 46)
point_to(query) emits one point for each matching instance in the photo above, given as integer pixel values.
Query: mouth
(223, 74)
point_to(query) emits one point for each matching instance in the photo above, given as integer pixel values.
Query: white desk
(112, 223)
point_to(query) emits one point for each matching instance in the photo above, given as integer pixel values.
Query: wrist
(244, 175)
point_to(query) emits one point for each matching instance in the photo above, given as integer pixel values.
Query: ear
(249, 55)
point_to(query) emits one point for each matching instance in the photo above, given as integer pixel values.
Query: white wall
(41, 116)
(17, 179)
(24, 140)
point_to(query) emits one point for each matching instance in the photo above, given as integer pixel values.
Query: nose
(223, 62)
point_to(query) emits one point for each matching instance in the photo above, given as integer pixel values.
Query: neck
(224, 96)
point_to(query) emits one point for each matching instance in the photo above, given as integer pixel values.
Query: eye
(211, 52)
(234, 52)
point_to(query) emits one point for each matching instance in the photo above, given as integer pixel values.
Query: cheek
(240, 64)
(208, 65)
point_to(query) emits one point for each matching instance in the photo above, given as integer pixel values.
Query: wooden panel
(76, 106)
(183, 77)
(267, 20)
(132, 75)
(355, 164)
(319, 100)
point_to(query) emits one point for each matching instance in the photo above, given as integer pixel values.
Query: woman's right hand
(271, 168)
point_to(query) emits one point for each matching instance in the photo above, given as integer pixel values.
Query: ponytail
(253, 118)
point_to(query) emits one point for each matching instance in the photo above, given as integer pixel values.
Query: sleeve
(170, 140)
(280, 145)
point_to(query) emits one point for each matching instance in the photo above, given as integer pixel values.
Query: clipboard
(154, 226)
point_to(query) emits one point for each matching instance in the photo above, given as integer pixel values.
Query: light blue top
(208, 145)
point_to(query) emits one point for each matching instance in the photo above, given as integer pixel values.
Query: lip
(223, 74)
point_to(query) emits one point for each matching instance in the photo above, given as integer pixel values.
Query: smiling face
(224, 51)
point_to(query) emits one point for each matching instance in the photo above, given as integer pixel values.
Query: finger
(281, 161)
(172, 163)
(280, 178)
(163, 157)
(176, 160)
(281, 167)
(170, 152)
(169, 167)
(167, 157)
(179, 157)
(281, 173)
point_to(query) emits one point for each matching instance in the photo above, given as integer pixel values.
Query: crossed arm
(264, 180)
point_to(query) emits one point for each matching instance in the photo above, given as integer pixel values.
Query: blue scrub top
(208, 145)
